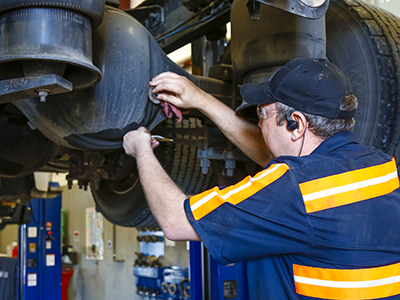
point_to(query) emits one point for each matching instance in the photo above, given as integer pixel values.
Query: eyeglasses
(263, 114)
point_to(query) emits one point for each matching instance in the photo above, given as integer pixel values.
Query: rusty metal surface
(27, 87)
(174, 25)
(311, 9)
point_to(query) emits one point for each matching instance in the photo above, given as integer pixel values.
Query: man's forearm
(164, 197)
(181, 92)
(243, 134)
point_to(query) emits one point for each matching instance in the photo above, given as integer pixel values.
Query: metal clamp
(230, 158)
(152, 96)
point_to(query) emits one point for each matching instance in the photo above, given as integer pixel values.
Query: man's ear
(301, 121)
(261, 124)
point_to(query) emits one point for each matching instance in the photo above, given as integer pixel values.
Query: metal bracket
(22, 214)
(310, 9)
(150, 16)
(32, 87)
(86, 167)
(222, 71)
(254, 9)
(229, 156)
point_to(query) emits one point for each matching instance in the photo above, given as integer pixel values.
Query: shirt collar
(336, 141)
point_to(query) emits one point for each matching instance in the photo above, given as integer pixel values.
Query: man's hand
(137, 140)
(179, 91)
(164, 197)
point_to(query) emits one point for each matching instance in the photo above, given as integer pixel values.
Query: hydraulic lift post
(40, 252)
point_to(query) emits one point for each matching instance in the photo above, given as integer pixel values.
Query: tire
(92, 8)
(123, 203)
(181, 161)
(362, 41)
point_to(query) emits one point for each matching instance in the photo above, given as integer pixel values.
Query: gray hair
(322, 126)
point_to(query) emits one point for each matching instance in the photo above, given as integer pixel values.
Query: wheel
(122, 202)
(180, 160)
(362, 41)
(92, 8)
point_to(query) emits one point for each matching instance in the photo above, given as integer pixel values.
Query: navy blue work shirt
(321, 226)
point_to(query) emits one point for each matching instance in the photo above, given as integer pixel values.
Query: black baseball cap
(314, 86)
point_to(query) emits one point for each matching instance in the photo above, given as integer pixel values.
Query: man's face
(277, 138)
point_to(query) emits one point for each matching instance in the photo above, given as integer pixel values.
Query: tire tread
(382, 29)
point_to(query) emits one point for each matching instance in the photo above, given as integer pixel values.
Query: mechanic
(320, 221)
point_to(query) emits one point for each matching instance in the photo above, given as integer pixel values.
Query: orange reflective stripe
(370, 283)
(204, 203)
(350, 187)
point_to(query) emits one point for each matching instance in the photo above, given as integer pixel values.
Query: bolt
(204, 164)
(43, 94)
(230, 165)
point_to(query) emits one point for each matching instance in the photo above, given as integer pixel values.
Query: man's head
(314, 86)
(313, 90)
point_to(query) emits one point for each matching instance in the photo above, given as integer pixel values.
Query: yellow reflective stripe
(204, 203)
(370, 283)
(350, 187)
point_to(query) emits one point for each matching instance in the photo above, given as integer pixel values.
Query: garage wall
(103, 279)
(7, 236)
(106, 279)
